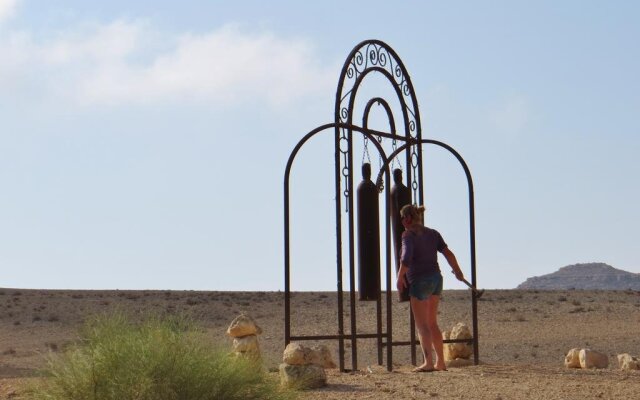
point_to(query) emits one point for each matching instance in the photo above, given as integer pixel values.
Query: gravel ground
(523, 335)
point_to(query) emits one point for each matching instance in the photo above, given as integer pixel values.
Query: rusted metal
(400, 197)
(371, 336)
(477, 292)
(368, 237)
(366, 58)
(472, 225)
(374, 57)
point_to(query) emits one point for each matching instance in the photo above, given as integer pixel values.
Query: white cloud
(128, 62)
(7, 8)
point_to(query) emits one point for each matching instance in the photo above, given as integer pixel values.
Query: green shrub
(158, 359)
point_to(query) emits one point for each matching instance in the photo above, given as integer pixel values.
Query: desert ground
(523, 335)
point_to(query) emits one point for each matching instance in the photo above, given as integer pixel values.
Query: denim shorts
(425, 286)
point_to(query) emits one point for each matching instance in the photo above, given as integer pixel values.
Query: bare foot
(424, 368)
(442, 367)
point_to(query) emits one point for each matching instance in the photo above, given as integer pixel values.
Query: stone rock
(320, 355)
(593, 359)
(246, 344)
(302, 376)
(572, 359)
(242, 326)
(627, 362)
(458, 363)
(247, 347)
(297, 354)
(294, 354)
(454, 351)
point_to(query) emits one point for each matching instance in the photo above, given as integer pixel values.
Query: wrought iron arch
(371, 56)
(287, 262)
(376, 56)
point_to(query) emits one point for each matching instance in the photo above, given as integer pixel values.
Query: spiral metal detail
(375, 55)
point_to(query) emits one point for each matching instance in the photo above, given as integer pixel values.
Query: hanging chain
(344, 149)
(394, 147)
(414, 167)
(365, 152)
(381, 186)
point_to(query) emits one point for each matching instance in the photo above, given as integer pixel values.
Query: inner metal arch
(366, 58)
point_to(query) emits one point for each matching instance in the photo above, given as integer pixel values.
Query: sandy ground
(523, 338)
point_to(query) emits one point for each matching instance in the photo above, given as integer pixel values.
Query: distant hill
(585, 276)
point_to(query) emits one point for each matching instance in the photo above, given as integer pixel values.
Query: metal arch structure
(472, 227)
(371, 56)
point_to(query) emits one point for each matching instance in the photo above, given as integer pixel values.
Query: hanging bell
(368, 237)
(400, 197)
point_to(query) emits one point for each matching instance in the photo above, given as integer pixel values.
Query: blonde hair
(415, 212)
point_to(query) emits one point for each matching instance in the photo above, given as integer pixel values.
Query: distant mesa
(593, 276)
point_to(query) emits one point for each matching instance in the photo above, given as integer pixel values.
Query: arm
(453, 262)
(401, 282)
(406, 253)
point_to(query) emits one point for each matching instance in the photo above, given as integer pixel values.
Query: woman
(420, 271)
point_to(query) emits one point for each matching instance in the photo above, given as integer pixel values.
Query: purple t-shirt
(419, 252)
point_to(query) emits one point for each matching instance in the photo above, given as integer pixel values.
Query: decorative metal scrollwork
(376, 56)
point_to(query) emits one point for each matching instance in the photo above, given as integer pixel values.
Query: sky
(143, 143)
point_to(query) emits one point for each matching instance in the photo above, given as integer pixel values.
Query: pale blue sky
(143, 143)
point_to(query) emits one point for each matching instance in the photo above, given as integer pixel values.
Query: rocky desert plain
(524, 336)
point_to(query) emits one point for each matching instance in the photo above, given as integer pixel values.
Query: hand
(459, 275)
(401, 283)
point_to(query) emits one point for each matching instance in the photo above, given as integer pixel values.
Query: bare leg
(436, 335)
(420, 314)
